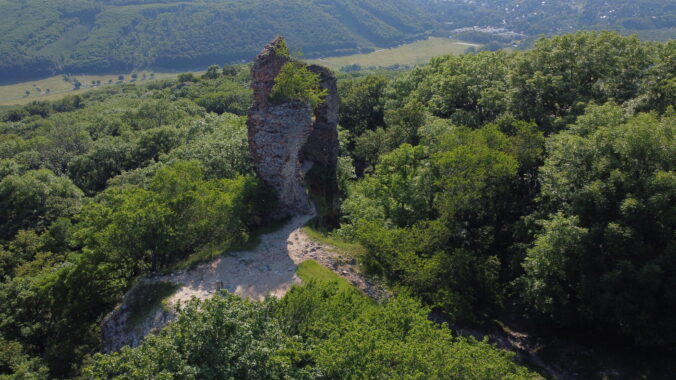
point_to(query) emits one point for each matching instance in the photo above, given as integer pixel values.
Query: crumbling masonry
(293, 147)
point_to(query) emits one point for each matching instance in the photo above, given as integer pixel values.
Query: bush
(317, 331)
(35, 199)
(187, 77)
(213, 72)
(296, 82)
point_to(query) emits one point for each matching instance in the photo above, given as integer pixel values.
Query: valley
(41, 39)
(430, 191)
(407, 55)
(56, 87)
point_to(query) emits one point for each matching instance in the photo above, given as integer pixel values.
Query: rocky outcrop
(269, 269)
(135, 317)
(294, 147)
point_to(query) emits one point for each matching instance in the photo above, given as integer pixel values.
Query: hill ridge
(93, 36)
(267, 270)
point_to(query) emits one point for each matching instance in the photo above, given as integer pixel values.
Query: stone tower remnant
(294, 148)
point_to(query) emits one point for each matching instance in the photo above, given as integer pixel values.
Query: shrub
(296, 82)
(187, 77)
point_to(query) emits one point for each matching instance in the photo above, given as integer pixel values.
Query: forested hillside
(538, 184)
(541, 180)
(98, 190)
(42, 37)
(651, 19)
(546, 175)
(46, 37)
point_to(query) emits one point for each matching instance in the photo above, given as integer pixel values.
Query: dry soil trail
(269, 269)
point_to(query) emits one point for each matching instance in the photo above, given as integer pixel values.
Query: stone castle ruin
(294, 147)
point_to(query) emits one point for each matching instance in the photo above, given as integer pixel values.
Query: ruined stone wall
(322, 147)
(293, 147)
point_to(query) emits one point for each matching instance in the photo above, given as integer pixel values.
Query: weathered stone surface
(322, 145)
(293, 147)
(278, 141)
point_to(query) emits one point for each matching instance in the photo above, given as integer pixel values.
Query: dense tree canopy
(605, 249)
(34, 200)
(435, 220)
(481, 185)
(461, 202)
(101, 189)
(316, 331)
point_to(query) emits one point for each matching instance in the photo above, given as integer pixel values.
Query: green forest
(652, 19)
(42, 38)
(539, 183)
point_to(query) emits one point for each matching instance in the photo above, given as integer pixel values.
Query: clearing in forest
(59, 86)
(267, 270)
(415, 53)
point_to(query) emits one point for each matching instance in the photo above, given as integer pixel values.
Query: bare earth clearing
(269, 269)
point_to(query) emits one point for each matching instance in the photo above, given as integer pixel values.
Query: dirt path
(269, 269)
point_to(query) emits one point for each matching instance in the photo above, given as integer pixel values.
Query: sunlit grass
(311, 270)
(56, 87)
(345, 248)
(416, 53)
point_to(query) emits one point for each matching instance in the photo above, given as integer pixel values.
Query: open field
(56, 87)
(416, 53)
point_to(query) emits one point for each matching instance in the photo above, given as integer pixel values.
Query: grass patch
(345, 248)
(145, 298)
(311, 270)
(56, 87)
(416, 53)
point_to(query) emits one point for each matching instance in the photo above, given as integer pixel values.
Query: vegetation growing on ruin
(296, 82)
